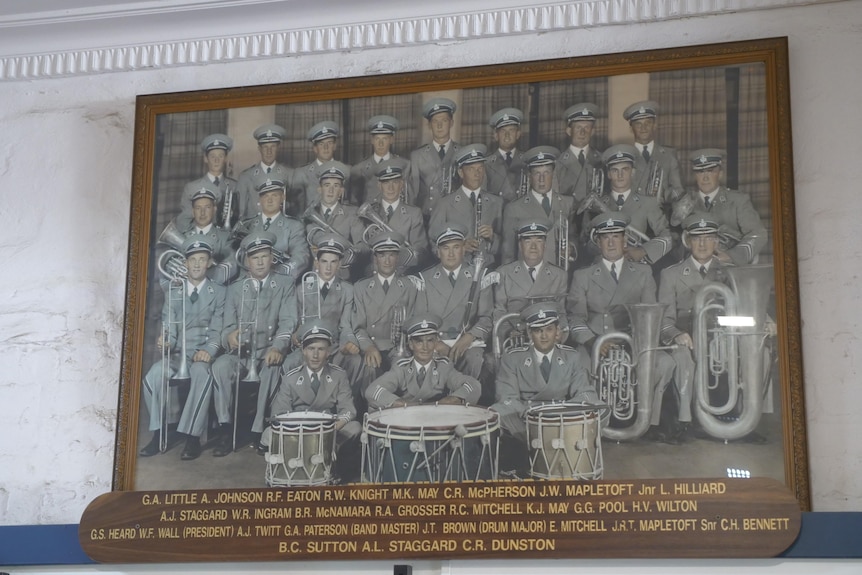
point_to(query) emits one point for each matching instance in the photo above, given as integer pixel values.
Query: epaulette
(417, 282)
(441, 359)
(405, 361)
(565, 347)
(336, 367)
(520, 348)
(294, 370)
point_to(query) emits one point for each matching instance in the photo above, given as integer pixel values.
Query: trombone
(249, 296)
(310, 294)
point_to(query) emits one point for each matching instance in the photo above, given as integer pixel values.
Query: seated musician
(321, 386)
(422, 378)
(543, 371)
(448, 289)
(197, 305)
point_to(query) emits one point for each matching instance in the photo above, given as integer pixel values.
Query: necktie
(315, 383)
(621, 199)
(532, 273)
(216, 180)
(194, 296)
(200, 232)
(441, 151)
(389, 212)
(420, 379)
(452, 278)
(324, 291)
(269, 170)
(378, 160)
(385, 286)
(546, 368)
(707, 202)
(473, 198)
(508, 158)
(646, 154)
(703, 271)
(327, 214)
(546, 203)
(614, 272)
(582, 159)
(266, 224)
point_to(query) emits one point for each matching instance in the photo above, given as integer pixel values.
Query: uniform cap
(640, 110)
(471, 154)
(391, 169)
(706, 158)
(269, 133)
(333, 169)
(453, 231)
(330, 243)
(506, 117)
(204, 192)
(541, 314)
(323, 131)
(541, 156)
(609, 223)
(699, 224)
(533, 227)
(422, 324)
(196, 244)
(582, 111)
(437, 105)
(256, 241)
(316, 329)
(264, 184)
(383, 125)
(387, 242)
(217, 142)
(619, 153)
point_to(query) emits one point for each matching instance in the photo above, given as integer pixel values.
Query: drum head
(303, 418)
(440, 417)
(566, 411)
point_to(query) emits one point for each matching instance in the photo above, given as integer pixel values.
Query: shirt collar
(190, 288)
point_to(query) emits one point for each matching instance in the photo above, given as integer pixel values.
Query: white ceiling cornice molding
(155, 34)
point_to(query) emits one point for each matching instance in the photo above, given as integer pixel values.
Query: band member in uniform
(375, 300)
(678, 287)
(644, 212)
(269, 138)
(577, 163)
(540, 202)
(363, 175)
(215, 148)
(732, 210)
(398, 215)
(470, 200)
(431, 166)
(289, 232)
(339, 217)
(321, 386)
(642, 118)
(543, 371)
(422, 378)
(448, 290)
(260, 316)
(600, 292)
(324, 142)
(193, 310)
(504, 168)
(530, 278)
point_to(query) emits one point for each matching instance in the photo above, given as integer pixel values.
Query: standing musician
(643, 212)
(657, 168)
(375, 300)
(332, 215)
(678, 287)
(471, 202)
(260, 316)
(424, 377)
(543, 371)
(289, 232)
(194, 310)
(324, 142)
(581, 159)
(463, 302)
(732, 210)
(321, 386)
(504, 168)
(541, 201)
(431, 166)
(363, 175)
(215, 148)
(269, 138)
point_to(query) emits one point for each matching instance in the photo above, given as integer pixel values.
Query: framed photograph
(721, 109)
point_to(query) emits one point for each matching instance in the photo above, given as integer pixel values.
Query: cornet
(563, 245)
(656, 179)
(524, 185)
(447, 177)
(227, 214)
(396, 333)
(379, 226)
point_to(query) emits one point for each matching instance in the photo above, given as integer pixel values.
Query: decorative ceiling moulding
(382, 34)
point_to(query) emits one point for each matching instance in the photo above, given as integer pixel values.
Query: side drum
(302, 450)
(564, 441)
(431, 443)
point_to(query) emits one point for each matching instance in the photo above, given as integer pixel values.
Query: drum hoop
(555, 412)
(378, 428)
(303, 420)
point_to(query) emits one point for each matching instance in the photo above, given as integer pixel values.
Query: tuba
(625, 377)
(734, 353)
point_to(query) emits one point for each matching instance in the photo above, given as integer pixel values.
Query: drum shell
(307, 438)
(564, 442)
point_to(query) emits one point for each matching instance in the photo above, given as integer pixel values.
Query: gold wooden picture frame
(732, 96)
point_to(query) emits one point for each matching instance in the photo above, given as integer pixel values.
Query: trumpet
(563, 245)
(379, 226)
(655, 182)
(597, 182)
(524, 185)
(447, 178)
(227, 213)
(310, 294)
(396, 333)
(318, 225)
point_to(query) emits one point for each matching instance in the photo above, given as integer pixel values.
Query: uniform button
(373, 325)
(372, 338)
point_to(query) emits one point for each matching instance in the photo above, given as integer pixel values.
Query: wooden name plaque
(543, 519)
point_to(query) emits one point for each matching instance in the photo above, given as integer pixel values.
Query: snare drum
(431, 443)
(564, 441)
(302, 449)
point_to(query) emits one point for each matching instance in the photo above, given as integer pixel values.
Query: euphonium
(624, 380)
(378, 226)
(319, 224)
(735, 351)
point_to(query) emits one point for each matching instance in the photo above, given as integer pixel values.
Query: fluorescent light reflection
(735, 321)
(738, 473)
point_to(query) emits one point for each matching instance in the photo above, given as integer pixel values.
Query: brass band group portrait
(481, 283)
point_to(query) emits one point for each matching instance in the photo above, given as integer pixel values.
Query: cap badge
(702, 223)
(436, 107)
(505, 116)
(196, 245)
(702, 159)
(610, 222)
(641, 110)
(330, 243)
(541, 156)
(424, 324)
(542, 314)
(388, 170)
(269, 133)
(315, 329)
(533, 226)
(324, 130)
(379, 124)
(268, 182)
(619, 155)
(585, 112)
(216, 143)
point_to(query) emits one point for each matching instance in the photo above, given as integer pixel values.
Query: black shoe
(682, 433)
(754, 438)
(192, 450)
(224, 443)
(659, 436)
(152, 447)
(260, 448)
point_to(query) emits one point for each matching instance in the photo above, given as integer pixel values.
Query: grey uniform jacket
(502, 180)
(275, 309)
(574, 179)
(337, 309)
(407, 220)
(372, 309)
(456, 207)
(528, 207)
(203, 318)
(334, 395)
(671, 187)
(363, 180)
(515, 290)
(596, 304)
(246, 185)
(677, 288)
(401, 382)
(648, 217)
(345, 222)
(520, 381)
(289, 239)
(427, 171)
(440, 297)
(184, 218)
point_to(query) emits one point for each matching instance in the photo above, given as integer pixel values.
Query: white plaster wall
(65, 169)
